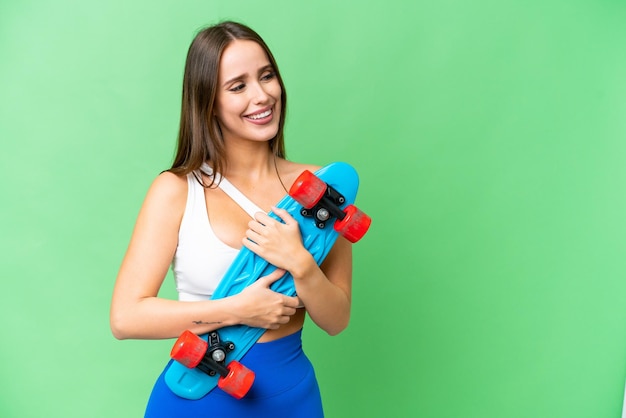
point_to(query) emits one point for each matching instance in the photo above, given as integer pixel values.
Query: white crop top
(201, 258)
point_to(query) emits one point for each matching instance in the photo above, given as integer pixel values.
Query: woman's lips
(262, 117)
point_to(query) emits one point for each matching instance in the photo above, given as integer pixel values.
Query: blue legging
(285, 386)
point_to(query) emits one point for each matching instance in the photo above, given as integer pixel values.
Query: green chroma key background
(490, 141)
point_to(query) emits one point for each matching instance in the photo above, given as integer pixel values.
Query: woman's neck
(249, 162)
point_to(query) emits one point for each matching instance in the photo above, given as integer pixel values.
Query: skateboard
(322, 203)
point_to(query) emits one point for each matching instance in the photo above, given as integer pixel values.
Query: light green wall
(490, 139)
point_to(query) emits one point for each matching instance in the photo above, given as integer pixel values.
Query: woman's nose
(259, 93)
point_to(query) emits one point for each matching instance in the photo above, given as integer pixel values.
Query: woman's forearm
(158, 318)
(326, 295)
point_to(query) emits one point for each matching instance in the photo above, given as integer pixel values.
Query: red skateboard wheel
(308, 189)
(189, 349)
(238, 381)
(354, 225)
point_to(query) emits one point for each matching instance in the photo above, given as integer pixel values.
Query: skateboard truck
(213, 361)
(210, 358)
(322, 202)
(326, 208)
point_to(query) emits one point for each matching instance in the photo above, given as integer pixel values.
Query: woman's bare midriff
(294, 324)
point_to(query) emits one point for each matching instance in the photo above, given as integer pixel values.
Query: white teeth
(261, 115)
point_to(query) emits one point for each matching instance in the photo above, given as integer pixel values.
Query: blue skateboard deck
(248, 267)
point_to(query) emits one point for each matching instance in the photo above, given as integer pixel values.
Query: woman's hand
(260, 307)
(280, 243)
(325, 290)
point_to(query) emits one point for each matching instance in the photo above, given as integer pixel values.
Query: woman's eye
(238, 87)
(268, 76)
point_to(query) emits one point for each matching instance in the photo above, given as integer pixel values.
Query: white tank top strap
(227, 187)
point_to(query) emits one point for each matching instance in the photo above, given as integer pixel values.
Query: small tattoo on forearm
(206, 323)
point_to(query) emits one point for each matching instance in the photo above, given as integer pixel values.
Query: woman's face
(248, 102)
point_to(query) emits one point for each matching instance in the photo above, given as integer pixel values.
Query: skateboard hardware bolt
(322, 214)
(212, 367)
(218, 355)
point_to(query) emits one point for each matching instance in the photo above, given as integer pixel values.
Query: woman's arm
(325, 291)
(137, 312)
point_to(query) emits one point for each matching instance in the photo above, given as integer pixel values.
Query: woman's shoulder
(164, 203)
(170, 181)
(169, 187)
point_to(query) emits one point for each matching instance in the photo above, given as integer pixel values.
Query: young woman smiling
(229, 171)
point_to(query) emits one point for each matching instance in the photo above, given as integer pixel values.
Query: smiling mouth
(261, 115)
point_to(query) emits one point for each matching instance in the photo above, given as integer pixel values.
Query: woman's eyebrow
(242, 76)
(239, 77)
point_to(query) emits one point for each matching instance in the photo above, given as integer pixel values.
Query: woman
(232, 119)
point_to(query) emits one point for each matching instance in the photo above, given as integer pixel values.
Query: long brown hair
(199, 136)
